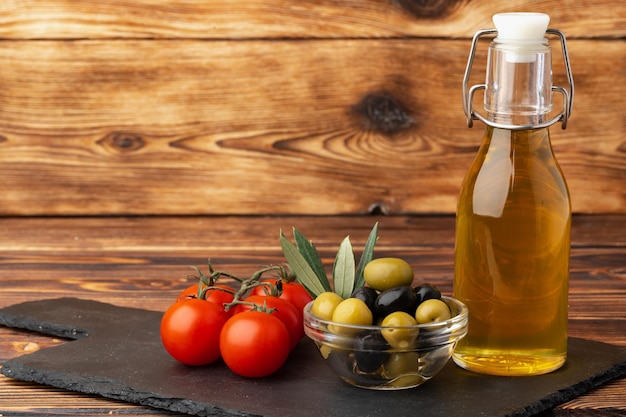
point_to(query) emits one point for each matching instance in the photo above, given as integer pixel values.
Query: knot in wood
(123, 142)
(378, 208)
(384, 113)
(428, 8)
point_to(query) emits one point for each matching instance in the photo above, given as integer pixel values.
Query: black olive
(426, 292)
(400, 298)
(370, 350)
(344, 363)
(368, 296)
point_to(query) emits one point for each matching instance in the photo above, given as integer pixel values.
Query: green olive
(325, 304)
(403, 369)
(325, 350)
(351, 311)
(399, 334)
(384, 273)
(432, 311)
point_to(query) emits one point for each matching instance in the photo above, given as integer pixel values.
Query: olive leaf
(308, 251)
(366, 256)
(304, 273)
(343, 269)
(305, 262)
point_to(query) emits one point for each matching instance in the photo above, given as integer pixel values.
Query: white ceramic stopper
(521, 26)
(521, 31)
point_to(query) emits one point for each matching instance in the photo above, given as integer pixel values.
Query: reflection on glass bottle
(514, 215)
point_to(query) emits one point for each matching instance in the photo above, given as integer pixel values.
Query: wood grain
(219, 19)
(249, 127)
(272, 110)
(143, 262)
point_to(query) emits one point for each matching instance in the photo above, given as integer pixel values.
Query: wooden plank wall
(144, 107)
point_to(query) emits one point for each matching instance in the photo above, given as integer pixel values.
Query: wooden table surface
(144, 262)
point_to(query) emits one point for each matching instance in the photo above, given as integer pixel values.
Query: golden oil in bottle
(512, 256)
(514, 214)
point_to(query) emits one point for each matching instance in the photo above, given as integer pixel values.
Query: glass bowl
(361, 356)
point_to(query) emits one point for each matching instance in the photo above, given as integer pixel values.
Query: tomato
(214, 295)
(189, 292)
(254, 344)
(296, 294)
(220, 296)
(190, 331)
(293, 292)
(283, 309)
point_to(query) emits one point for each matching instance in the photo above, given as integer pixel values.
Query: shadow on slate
(118, 354)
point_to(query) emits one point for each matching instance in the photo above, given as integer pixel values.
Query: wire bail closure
(468, 94)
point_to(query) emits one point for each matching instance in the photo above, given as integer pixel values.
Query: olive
(427, 292)
(343, 362)
(403, 369)
(325, 304)
(370, 350)
(325, 350)
(432, 311)
(384, 273)
(368, 296)
(398, 330)
(432, 361)
(351, 311)
(400, 298)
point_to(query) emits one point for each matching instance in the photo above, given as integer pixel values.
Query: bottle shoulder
(512, 171)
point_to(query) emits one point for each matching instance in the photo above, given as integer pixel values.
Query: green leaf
(308, 251)
(304, 274)
(366, 256)
(343, 269)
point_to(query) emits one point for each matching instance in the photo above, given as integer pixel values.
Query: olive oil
(512, 256)
(514, 215)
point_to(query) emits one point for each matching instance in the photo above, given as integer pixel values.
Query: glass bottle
(514, 215)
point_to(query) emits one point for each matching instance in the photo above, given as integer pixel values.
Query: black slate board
(118, 354)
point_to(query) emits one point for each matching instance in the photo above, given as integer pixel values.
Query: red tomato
(254, 344)
(283, 309)
(293, 292)
(189, 292)
(218, 296)
(213, 295)
(190, 331)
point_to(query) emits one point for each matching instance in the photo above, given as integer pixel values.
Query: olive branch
(304, 261)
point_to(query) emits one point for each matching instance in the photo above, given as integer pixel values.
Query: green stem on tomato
(248, 284)
(202, 292)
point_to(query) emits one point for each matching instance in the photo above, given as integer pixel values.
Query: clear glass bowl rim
(455, 323)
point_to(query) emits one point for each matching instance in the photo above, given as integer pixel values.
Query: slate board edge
(572, 392)
(45, 328)
(108, 388)
(75, 383)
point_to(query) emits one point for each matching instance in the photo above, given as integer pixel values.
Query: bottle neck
(519, 143)
(519, 83)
